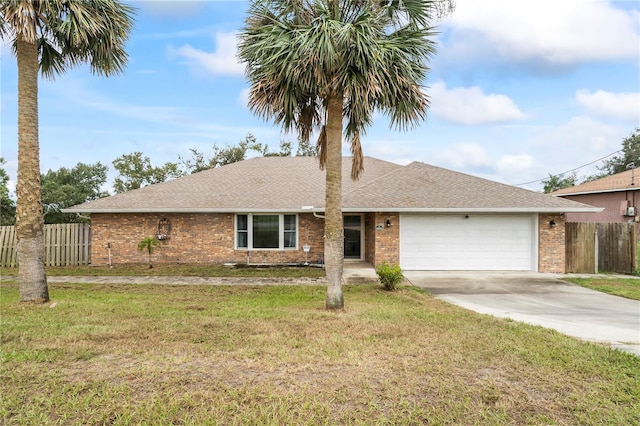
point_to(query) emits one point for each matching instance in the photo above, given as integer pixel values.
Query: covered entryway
(468, 242)
(353, 236)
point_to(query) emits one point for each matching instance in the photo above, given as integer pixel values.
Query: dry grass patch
(187, 270)
(272, 355)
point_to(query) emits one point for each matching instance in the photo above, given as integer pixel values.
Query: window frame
(281, 231)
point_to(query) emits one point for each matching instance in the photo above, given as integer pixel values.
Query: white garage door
(468, 243)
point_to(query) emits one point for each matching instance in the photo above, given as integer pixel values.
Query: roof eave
(348, 210)
(185, 210)
(479, 210)
(602, 191)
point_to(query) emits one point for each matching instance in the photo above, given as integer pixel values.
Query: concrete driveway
(540, 299)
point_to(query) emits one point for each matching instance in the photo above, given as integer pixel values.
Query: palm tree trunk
(333, 226)
(29, 217)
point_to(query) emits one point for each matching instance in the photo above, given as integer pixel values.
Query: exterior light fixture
(388, 223)
(306, 248)
(164, 229)
(552, 224)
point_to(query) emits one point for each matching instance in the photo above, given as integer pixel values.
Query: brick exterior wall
(369, 238)
(551, 243)
(194, 238)
(311, 232)
(382, 245)
(210, 238)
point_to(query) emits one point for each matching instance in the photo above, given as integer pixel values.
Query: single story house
(617, 195)
(269, 210)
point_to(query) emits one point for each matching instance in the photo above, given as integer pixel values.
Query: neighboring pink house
(270, 210)
(617, 194)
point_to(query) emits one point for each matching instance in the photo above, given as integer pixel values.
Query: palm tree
(314, 64)
(556, 182)
(51, 36)
(149, 244)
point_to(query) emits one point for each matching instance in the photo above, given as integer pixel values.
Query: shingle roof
(289, 183)
(628, 180)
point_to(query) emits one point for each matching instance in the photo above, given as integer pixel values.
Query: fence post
(633, 247)
(595, 249)
(65, 244)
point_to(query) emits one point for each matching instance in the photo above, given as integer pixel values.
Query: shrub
(149, 244)
(389, 275)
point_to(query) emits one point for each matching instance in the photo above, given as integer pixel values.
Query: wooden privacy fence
(601, 247)
(65, 244)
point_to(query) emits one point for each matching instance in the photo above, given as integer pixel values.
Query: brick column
(551, 243)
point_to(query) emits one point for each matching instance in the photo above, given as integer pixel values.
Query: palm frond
(19, 18)
(321, 147)
(357, 163)
(298, 53)
(71, 32)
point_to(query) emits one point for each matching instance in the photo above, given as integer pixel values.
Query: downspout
(315, 214)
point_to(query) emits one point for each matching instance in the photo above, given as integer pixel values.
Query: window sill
(267, 249)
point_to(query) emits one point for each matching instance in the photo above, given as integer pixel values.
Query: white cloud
(464, 156)
(470, 105)
(243, 97)
(625, 106)
(520, 154)
(508, 164)
(393, 150)
(580, 141)
(553, 32)
(222, 61)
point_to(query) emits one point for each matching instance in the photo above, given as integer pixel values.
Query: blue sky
(518, 90)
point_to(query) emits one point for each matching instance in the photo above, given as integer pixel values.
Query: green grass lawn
(163, 269)
(623, 287)
(615, 285)
(272, 355)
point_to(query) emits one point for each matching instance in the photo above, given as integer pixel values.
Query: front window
(242, 231)
(290, 240)
(266, 231)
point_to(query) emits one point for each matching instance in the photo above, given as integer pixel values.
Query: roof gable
(628, 180)
(267, 184)
(423, 187)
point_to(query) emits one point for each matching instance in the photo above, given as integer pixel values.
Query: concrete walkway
(354, 273)
(359, 272)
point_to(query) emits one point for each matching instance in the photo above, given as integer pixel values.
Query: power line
(569, 171)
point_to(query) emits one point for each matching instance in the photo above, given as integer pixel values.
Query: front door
(353, 237)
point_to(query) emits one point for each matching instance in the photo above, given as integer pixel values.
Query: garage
(468, 242)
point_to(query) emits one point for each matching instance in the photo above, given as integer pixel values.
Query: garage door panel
(480, 242)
